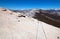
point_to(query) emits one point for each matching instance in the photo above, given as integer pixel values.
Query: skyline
(30, 4)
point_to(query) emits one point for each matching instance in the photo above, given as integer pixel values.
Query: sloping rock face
(48, 19)
(17, 26)
(51, 16)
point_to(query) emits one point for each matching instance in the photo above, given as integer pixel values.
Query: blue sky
(27, 4)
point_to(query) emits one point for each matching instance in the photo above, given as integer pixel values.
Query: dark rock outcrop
(46, 17)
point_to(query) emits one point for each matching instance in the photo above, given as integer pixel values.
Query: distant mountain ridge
(51, 16)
